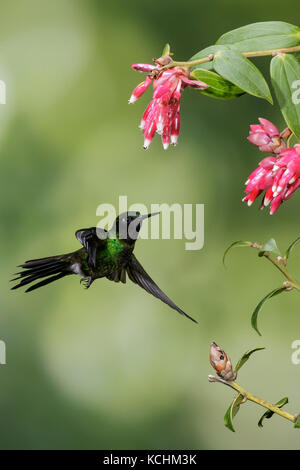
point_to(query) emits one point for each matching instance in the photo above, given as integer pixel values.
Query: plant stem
(289, 140)
(193, 63)
(263, 403)
(279, 264)
(249, 396)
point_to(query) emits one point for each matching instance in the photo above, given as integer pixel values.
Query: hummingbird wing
(138, 275)
(91, 239)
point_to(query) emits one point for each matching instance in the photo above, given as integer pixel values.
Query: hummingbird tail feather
(52, 269)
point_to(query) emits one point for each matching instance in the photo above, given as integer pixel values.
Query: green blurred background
(112, 367)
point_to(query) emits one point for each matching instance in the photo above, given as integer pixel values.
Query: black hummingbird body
(104, 254)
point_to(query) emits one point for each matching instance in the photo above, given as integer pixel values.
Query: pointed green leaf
(205, 53)
(291, 247)
(271, 247)
(219, 87)
(245, 358)
(166, 50)
(239, 243)
(271, 294)
(262, 36)
(285, 75)
(268, 414)
(232, 411)
(297, 422)
(236, 68)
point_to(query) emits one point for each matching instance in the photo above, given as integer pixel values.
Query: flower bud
(286, 133)
(221, 362)
(162, 61)
(146, 68)
(266, 136)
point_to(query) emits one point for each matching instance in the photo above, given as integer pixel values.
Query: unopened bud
(287, 285)
(162, 61)
(221, 362)
(285, 134)
(282, 260)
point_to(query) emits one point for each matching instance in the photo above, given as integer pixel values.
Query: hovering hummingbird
(104, 254)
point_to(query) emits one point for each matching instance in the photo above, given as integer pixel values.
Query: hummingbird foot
(86, 281)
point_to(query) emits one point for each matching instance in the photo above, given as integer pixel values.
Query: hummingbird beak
(146, 216)
(136, 225)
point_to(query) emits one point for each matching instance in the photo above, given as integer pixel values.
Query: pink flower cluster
(279, 174)
(162, 115)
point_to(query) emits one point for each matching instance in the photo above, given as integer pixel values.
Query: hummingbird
(104, 253)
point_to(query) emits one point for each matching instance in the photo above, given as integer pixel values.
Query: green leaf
(297, 422)
(245, 358)
(166, 50)
(285, 75)
(205, 53)
(232, 411)
(268, 414)
(264, 35)
(236, 68)
(219, 87)
(239, 243)
(271, 247)
(271, 294)
(291, 247)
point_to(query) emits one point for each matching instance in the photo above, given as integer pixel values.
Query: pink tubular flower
(266, 136)
(278, 176)
(140, 90)
(162, 115)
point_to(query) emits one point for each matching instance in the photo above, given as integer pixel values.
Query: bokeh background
(112, 367)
